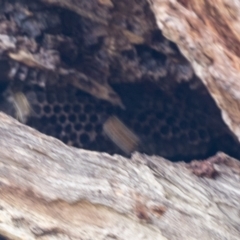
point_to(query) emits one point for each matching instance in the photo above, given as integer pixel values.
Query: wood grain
(51, 191)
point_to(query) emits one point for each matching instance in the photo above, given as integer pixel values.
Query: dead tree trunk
(51, 191)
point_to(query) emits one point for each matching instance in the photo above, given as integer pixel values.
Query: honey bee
(122, 136)
(22, 106)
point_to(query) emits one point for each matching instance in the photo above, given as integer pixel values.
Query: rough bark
(51, 191)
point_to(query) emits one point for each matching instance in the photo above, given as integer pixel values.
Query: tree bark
(52, 191)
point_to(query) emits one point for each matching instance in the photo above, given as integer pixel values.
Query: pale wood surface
(51, 191)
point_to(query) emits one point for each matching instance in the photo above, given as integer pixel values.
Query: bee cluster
(100, 75)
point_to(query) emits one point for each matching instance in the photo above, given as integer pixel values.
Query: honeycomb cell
(203, 134)
(57, 109)
(79, 96)
(77, 108)
(58, 128)
(193, 137)
(153, 122)
(73, 137)
(175, 130)
(61, 98)
(76, 144)
(193, 124)
(156, 136)
(167, 107)
(71, 97)
(176, 113)
(44, 120)
(50, 131)
(78, 126)
(82, 118)
(109, 110)
(148, 112)
(88, 108)
(183, 137)
(65, 139)
(84, 138)
(99, 108)
(72, 118)
(35, 122)
(88, 127)
(47, 109)
(137, 127)
(98, 128)
(99, 139)
(53, 120)
(184, 125)
(40, 97)
(62, 118)
(37, 109)
(67, 108)
(68, 128)
(165, 130)
(93, 118)
(51, 98)
(142, 117)
(202, 120)
(160, 115)
(93, 146)
(171, 120)
(146, 130)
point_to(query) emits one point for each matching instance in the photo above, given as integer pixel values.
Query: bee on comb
(121, 135)
(22, 107)
(16, 104)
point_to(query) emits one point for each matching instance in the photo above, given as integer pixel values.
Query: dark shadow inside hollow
(184, 124)
(3, 238)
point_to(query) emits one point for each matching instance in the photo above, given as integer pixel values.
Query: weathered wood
(51, 191)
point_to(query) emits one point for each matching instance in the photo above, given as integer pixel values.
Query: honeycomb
(176, 126)
(70, 115)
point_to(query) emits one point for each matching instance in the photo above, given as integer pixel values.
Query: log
(52, 191)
